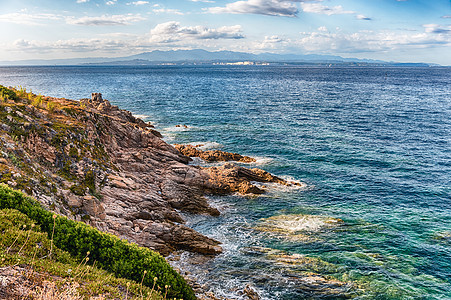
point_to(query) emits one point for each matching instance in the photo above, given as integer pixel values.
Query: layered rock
(92, 161)
(230, 178)
(212, 155)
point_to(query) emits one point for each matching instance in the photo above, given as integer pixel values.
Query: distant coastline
(202, 57)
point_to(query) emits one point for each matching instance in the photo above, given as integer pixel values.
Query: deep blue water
(372, 144)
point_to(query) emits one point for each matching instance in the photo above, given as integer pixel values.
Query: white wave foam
(141, 116)
(296, 184)
(206, 145)
(273, 187)
(178, 128)
(197, 161)
(260, 160)
(168, 137)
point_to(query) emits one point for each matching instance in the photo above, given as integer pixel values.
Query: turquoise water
(373, 146)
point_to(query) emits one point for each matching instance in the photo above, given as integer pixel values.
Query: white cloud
(285, 8)
(318, 8)
(82, 1)
(370, 41)
(172, 32)
(105, 20)
(111, 2)
(270, 43)
(205, 1)
(21, 43)
(167, 11)
(138, 3)
(74, 46)
(436, 28)
(362, 17)
(169, 34)
(28, 19)
(262, 7)
(172, 35)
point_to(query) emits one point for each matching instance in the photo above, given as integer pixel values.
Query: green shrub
(20, 234)
(23, 242)
(79, 190)
(52, 106)
(7, 94)
(110, 253)
(37, 101)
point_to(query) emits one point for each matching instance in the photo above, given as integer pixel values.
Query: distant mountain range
(199, 56)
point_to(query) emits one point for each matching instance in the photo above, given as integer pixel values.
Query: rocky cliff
(91, 161)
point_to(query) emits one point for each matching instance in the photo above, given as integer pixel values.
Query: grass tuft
(60, 277)
(120, 257)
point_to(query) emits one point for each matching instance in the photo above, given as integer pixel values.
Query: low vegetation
(65, 245)
(46, 272)
(7, 94)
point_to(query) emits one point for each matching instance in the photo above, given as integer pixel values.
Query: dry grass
(28, 271)
(49, 291)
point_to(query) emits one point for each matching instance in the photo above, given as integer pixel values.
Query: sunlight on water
(292, 224)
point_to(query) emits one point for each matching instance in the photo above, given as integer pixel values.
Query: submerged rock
(297, 227)
(303, 275)
(250, 292)
(443, 236)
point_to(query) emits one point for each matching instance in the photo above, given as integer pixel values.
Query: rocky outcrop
(230, 178)
(212, 155)
(92, 161)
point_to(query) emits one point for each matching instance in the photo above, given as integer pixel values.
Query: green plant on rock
(21, 92)
(52, 106)
(73, 153)
(78, 189)
(15, 160)
(111, 253)
(7, 94)
(23, 242)
(37, 101)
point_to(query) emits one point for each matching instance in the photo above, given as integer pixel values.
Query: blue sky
(391, 30)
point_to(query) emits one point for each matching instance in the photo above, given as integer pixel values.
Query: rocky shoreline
(91, 161)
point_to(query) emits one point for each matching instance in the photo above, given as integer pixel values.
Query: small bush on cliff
(112, 254)
(24, 257)
(7, 94)
(51, 106)
(37, 101)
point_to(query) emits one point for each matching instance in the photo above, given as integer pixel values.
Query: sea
(372, 146)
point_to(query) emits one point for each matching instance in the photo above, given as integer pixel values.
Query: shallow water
(372, 144)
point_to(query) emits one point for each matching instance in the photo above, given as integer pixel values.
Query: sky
(389, 30)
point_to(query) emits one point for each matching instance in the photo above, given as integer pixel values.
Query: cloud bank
(172, 32)
(262, 7)
(105, 20)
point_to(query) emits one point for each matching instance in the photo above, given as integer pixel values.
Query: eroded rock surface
(92, 161)
(230, 178)
(212, 155)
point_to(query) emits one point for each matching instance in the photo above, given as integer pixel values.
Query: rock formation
(212, 155)
(92, 161)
